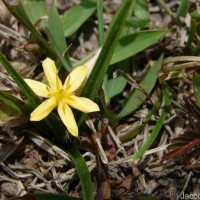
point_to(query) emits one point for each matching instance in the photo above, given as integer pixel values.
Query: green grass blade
(137, 23)
(30, 7)
(83, 172)
(103, 61)
(56, 36)
(56, 29)
(141, 9)
(76, 16)
(191, 35)
(131, 44)
(140, 128)
(65, 62)
(101, 66)
(137, 98)
(182, 9)
(11, 101)
(157, 127)
(100, 22)
(196, 85)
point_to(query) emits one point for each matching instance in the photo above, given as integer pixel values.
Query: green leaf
(35, 9)
(8, 112)
(65, 62)
(191, 35)
(182, 9)
(157, 127)
(57, 38)
(11, 101)
(137, 23)
(56, 29)
(101, 66)
(137, 98)
(196, 85)
(83, 172)
(100, 22)
(45, 196)
(141, 127)
(131, 44)
(115, 86)
(76, 16)
(195, 14)
(141, 9)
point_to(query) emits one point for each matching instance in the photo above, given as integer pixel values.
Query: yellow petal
(67, 117)
(82, 104)
(39, 88)
(77, 76)
(51, 74)
(43, 109)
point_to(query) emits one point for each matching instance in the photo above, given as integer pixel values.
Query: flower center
(59, 94)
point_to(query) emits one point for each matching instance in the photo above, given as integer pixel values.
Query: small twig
(117, 141)
(129, 158)
(182, 59)
(185, 186)
(180, 66)
(98, 142)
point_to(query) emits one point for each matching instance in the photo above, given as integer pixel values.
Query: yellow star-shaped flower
(61, 96)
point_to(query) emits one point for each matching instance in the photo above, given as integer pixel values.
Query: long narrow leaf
(157, 127)
(101, 66)
(196, 85)
(100, 21)
(131, 44)
(76, 16)
(83, 172)
(30, 7)
(57, 38)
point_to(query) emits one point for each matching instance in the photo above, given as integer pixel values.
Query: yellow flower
(61, 96)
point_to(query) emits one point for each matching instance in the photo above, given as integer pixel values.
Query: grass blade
(76, 16)
(157, 127)
(196, 85)
(100, 22)
(182, 9)
(57, 38)
(30, 6)
(83, 172)
(101, 66)
(131, 44)
(191, 35)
